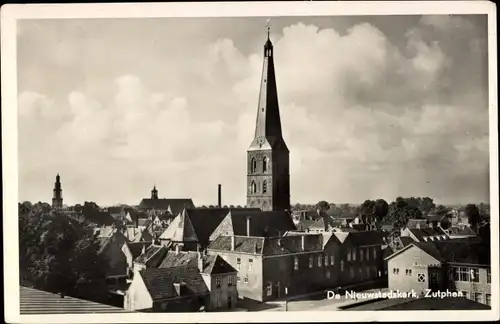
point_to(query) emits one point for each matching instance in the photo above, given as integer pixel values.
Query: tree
(442, 211)
(322, 206)
(426, 205)
(380, 209)
(365, 210)
(472, 213)
(445, 223)
(59, 253)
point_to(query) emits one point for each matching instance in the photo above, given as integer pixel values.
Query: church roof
(176, 204)
(262, 223)
(180, 230)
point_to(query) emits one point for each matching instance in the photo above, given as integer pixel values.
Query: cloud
(363, 117)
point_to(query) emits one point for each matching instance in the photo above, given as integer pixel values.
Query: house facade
(460, 265)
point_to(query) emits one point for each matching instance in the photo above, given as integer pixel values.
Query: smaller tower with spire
(57, 200)
(154, 192)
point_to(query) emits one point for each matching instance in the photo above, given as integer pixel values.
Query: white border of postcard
(13, 12)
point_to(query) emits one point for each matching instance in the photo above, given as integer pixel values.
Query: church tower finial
(268, 25)
(154, 192)
(268, 174)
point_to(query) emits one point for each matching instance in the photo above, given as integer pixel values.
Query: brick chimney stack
(219, 195)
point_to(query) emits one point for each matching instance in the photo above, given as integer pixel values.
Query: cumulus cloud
(363, 116)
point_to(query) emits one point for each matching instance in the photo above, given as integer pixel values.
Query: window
(250, 265)
(332, 259)
(360, 273)
(296, 263)
(488, 299)
(217, 282)
(351, 270)
(367, 254)
(361, 255)
(367, 272)
(327, 274)
(264, 164)
(326, 260)
(478, 297)
(264, 186)
(246, 279)
(230, 281)
(465, 274)
(348, 255)
(238, 263)
(395, 271)
(253, 165)
(408, 272)
(311, 262)
(269, 289)
(253, 187)
(238, 279)
(421, 277)
(354, 251)
(488, 275)
(320, 261)
(374, 253)
(341, 265)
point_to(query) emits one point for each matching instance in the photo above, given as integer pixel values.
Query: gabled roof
(100, 218)
(136, 235)
(38, 302)
(406, 240)
(180, 259)
(268, 245)
(466, 251)
(160, 282)
(152, 256)
(180, 230)
(214, 264)
(427, 232)
(262, 223)
(363, 238)
(143, 222)
(176, 204)
(136, 248)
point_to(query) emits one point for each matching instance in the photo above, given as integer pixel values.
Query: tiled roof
(305, 224)
(38, 302)
(205, 221)
(134, 234)
(434, 218)
(426, 232)
(136, 247)
(367, 238)
(214, 264)
(180, 230)
(143, 222)
(152, 256)
(175, 204)
(268, 245)
(462, 231)
(173, 259)
(160, 282)
(115, 209)
(467, 250)
(406, 240)
(262, 223)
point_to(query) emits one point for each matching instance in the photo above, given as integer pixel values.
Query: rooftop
(34, 301)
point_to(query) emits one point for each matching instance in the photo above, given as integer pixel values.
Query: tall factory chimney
(219, 195)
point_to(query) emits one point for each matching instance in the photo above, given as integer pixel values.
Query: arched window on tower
(253, 165)
(264, 164)
(254, 187)
(264, 186)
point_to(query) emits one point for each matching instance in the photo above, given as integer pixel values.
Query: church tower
(268, 176)
(154, 193)
(57, 200)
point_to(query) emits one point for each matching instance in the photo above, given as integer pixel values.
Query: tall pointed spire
(268, 177)
(268, 131)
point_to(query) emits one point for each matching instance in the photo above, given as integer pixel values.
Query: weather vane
(268, 25)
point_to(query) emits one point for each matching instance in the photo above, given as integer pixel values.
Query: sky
(371, 106)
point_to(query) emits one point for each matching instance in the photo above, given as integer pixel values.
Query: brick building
(457, 265)
(273, 267)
